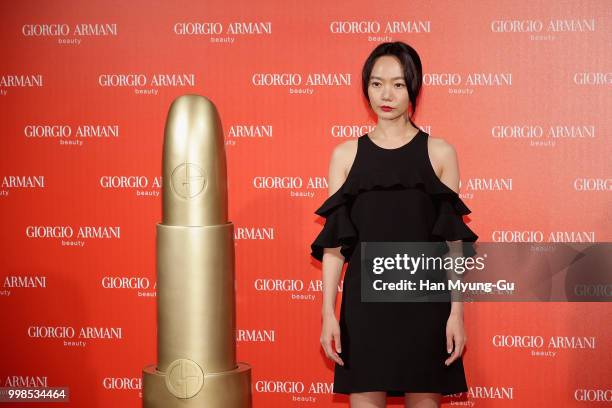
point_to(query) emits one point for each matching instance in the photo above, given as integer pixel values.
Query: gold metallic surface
(196, 350)
(194, 172)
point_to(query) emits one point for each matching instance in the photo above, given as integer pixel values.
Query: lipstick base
(227, 389)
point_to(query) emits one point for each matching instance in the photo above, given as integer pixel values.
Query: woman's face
(387, 88)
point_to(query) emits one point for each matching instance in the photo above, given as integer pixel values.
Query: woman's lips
(386, 108)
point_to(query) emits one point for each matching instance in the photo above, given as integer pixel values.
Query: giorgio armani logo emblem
(188, 180)
(184, 379)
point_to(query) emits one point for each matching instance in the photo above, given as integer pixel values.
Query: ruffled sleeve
(338, 231)
(449, 224)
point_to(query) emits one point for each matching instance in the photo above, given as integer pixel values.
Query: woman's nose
(386, 92)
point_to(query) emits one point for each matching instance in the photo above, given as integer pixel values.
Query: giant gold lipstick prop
(196, 353)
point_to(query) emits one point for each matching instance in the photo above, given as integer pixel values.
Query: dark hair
(411, 64)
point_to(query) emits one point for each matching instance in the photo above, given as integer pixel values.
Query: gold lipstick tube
(196, 350)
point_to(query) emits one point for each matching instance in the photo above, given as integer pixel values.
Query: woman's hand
(455, 335)
(331, 331)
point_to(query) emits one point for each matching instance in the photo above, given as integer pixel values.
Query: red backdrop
(521, 89)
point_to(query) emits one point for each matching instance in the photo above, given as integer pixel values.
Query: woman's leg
(376, 399)
(423, 400)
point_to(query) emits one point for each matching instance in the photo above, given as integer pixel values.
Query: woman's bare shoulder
(440, 146)
(344, 155)
(441, 150)
(442, 154)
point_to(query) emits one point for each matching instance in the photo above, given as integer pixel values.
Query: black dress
(392, 195)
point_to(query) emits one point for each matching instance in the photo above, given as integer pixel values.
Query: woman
(394, 183)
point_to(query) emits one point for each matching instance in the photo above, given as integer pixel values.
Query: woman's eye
(375, 83)
(399, 85)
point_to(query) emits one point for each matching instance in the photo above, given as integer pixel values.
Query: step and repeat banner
(522, 90)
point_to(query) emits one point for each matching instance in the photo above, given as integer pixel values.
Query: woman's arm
(455, 332)
(333, 260)
(446, 155)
